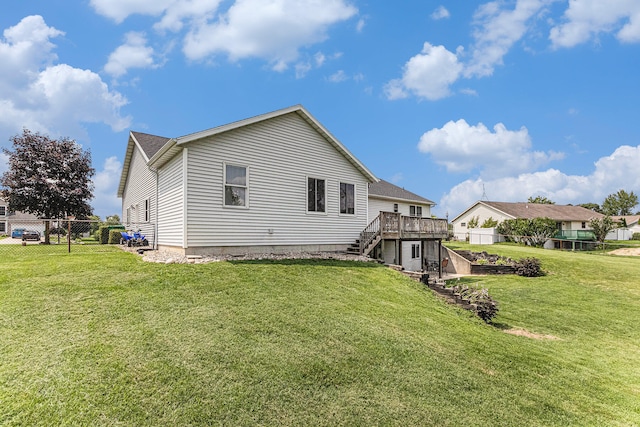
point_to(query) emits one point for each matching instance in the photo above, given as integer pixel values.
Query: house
(277, 182)
(572, 221)
(274, 183)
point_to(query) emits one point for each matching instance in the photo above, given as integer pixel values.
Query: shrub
(114, 236)
(58, 230)
(528, 267)
(104, 232)
(485, 307)
(635, 236)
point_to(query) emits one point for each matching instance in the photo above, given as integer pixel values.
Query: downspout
(157, 217)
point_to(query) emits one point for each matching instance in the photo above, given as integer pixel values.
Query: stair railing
(369, 234)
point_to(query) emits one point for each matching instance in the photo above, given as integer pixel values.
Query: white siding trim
(185, 198)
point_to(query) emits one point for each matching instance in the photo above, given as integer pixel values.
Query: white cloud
(464, 148)
(119, 10)
(105, 201)
(338, 77)
(611, 174)
(360, 25)
(49, 98)
(440, 13)
(134, 53)
(585, 19)
(427, 75)
(497, 30)
(274, 30)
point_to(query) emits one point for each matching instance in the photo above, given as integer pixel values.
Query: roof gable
(149, 144)
(170, 148)
(386, 190)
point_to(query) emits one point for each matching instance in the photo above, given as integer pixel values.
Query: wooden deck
(391, 225)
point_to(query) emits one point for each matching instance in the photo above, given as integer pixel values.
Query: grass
(105, 339)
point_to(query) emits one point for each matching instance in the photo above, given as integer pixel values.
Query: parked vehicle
(16, 233)
(133, 239)
(30, 235)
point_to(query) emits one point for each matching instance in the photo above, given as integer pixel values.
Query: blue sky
(451, 100)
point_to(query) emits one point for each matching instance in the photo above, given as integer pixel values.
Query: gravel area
(169, 257)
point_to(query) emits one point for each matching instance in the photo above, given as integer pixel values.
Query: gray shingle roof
(534, 210)
(387, 190)
(150, 144)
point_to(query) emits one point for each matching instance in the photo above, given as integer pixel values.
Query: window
(415, 250)
(235, 186)
(146, 210)
(3, 211)
(584, 224)
(3, 227)
(315, 195)
(415, 210)
(395, 207)
(347, 198)
(463, 224)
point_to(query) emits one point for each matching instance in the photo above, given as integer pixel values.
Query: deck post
(439, 258)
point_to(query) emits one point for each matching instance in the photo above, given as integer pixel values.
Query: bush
(104, 232)
(57, 230)
(635, 236)
(528, 267)
(485, 307)
(114, 236)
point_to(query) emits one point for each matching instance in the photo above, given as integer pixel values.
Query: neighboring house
(625, 233)
(4, 226)
(413, 254)
(278, 182)
(12, 220)
(572, 221)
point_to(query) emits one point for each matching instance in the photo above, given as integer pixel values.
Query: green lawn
(105, 339)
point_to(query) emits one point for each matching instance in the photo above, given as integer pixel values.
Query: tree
(601, 227)
(591, 206)
(540, 200)
(489, 223)
(534, 231)
(620, 203)
(113, 219)
(47, 177)
(473, 222)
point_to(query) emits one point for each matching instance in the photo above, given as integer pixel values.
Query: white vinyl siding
(171, 201)
(140, 189)
(377, 205)
(283, 152)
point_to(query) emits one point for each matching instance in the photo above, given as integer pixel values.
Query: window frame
(415, 251)
(245, 186)
(316, 212)
(3, 211)
(353, 199)
(417, 211)
(147, 205)
(395, 208)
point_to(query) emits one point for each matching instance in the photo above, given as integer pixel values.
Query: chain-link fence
(67, 235)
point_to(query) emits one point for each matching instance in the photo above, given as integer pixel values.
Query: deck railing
(575, 235)
(393, 225)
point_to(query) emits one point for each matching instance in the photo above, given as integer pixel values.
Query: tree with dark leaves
(50, 178)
